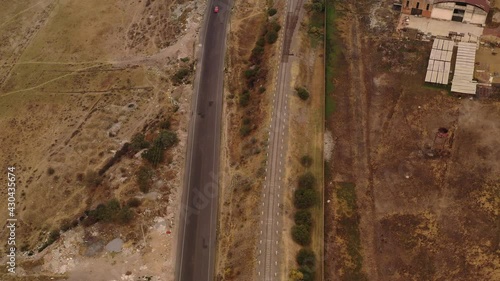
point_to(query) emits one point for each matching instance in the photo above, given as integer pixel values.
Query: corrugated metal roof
(438, 69)
(464, 69)
(483, 4)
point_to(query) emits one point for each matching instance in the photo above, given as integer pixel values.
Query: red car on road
(216, 9)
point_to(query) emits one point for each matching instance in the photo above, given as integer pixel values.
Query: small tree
(301, 235)
(271, 12)
(245, 130)
(144, 178)
(133, 202)
(303, 217)
(154, 155)
(302, 93)
(306, 161)
(138, 142)
(305, 198)
(271, 36)
(50, 171)
(308, 273)
(307, 180)
(306, 257)
(245, 98)
(166, 139)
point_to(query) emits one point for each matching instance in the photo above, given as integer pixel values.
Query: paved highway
(268, 247)
(198, 219)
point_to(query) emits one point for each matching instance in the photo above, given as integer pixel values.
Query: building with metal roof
(438, 69)
(467, 11)
(464, 69)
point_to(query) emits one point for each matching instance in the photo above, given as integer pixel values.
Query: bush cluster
(256, 72)
(165, 140)
(305, 197)
(138, 142)
(301, 235)
(306, 161)
(181, 76)
(144, 177)
(111, 212)
(302, 93)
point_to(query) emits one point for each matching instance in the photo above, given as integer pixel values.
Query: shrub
(53, 236)
(306, 257)
(166, 139)
(245, 98)
(305, 198)
(133, 202)
(307, 180)
(154, 155)
(271, 12)
(138, 142)
(245, 130)
(271, 37)
(261, 42)
(92, 179)
(302, 93)
(308, 273)
(110, 212)
(306, 161)
(303, 217)
(318, 7)
(296, 275)
(185, 59)
(50, 171)
(301, 235)
(257, 51)
(262, 89)
(250, 73)
(125, 215)
(274, 26)
(180, 76)
(145, 178)
(165, 124)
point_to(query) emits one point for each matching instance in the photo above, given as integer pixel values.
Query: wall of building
(473, 14)
(425, 7)
(443, 11)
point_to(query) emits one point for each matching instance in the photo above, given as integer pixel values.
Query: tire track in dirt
(361, 147)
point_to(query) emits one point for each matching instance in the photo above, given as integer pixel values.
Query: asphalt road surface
(198, 219)
(268, 247)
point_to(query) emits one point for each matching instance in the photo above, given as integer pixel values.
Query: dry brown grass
(74, 90)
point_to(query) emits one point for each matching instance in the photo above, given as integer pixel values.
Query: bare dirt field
(405, 204)
(77, 80)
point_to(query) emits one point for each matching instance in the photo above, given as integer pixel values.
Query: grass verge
(348, 230)
(332, 53)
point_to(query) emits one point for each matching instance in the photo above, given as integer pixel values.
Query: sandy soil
(82, 80)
